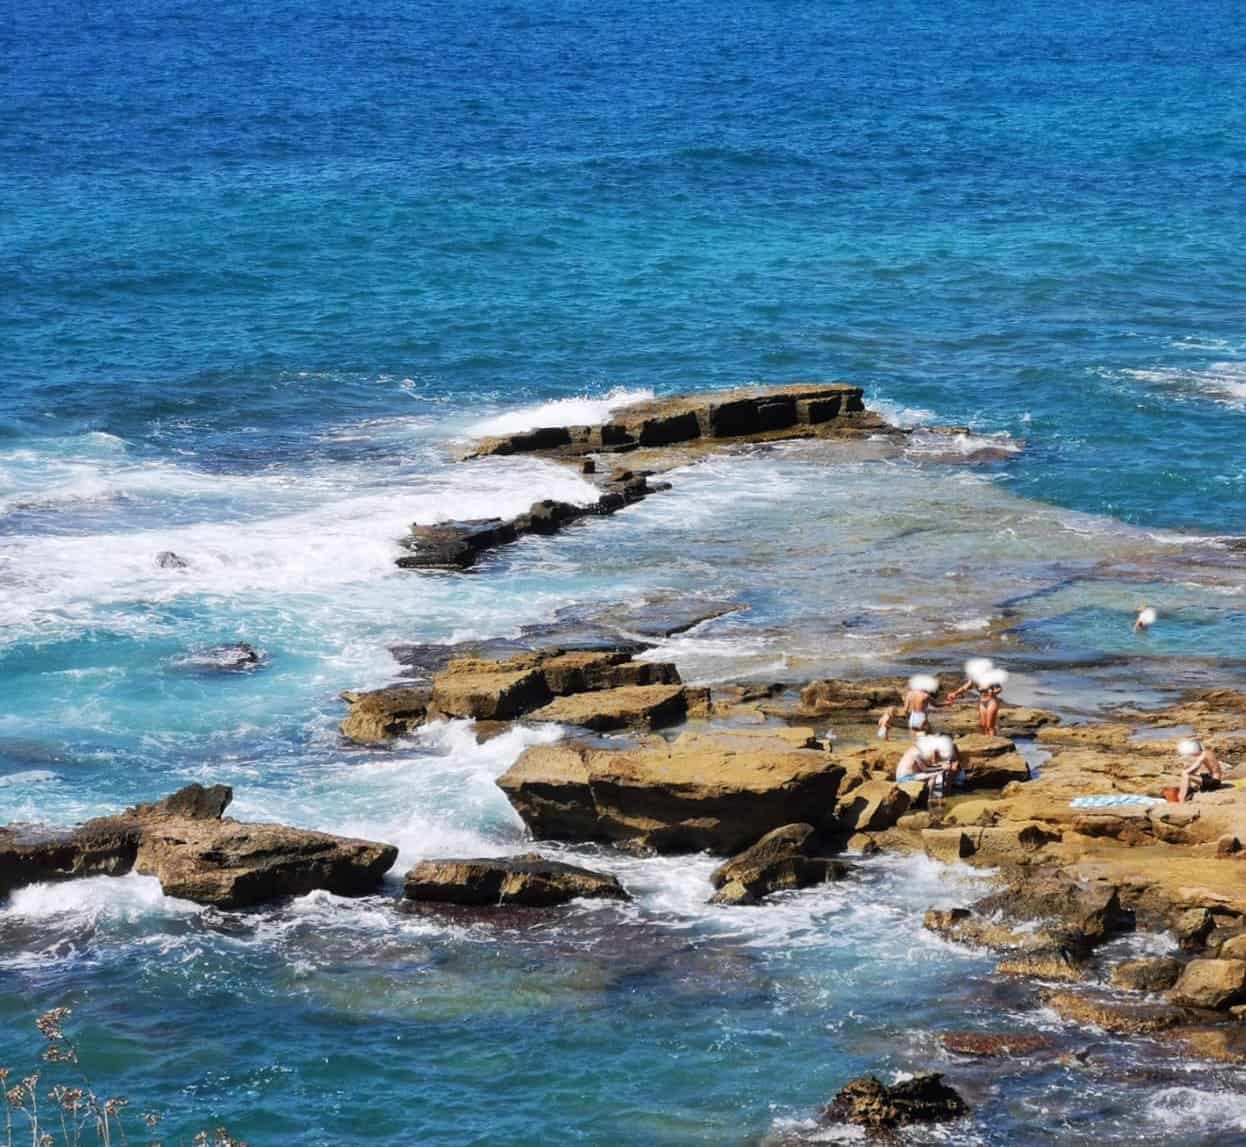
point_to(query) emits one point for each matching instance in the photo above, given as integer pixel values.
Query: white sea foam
(582, 410)
(1184, 1110)
(128, 898)
(29, 777)
(1223, 382)
(343, 541)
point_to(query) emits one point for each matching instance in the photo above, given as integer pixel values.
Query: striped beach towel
(1114, 800)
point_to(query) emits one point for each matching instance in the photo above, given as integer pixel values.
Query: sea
(264, 268)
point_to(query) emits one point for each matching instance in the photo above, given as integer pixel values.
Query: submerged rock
(783, 859)
(528, 880)
(1115, 1016)
(996, 1045)
(240, 657)
(703, 791)
(168, 560)
(870, 1103)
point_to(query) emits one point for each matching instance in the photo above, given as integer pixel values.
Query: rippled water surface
(261, 267)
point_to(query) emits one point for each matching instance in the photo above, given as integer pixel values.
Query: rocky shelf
(657, 435)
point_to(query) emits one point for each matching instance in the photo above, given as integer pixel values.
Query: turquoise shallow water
(260, 265)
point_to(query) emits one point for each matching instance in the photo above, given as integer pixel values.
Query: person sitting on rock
(930, 760)
(918, 699)
(1201, 765)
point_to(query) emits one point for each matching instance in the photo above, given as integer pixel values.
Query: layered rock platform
(655, 435)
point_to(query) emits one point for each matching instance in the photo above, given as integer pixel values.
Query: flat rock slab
(528, 880)
(629, 707)
(704, 791)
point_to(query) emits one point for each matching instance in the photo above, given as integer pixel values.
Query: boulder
(716, 791)
(528, 880)
(168, 560)
(1211, 984)
(876, 805)
(628, 707)
(783, 859)
(834, 696)
(379, 715)
(229, 864)
(1234, 948)
(1152, 974)
(193, 802)
(1091, 912)
(869, 1103)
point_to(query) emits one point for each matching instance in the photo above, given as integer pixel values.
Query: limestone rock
(869, 1103)
(33, 854)
(379, 715)
(783, 859)
(947, 844)
(233, 865)
(1054, 963)
(716, 791)
(1113, 1016)
(1089, 911)
(995, 1045)
(876, 805)
(627, 707)
(1225, 1043)
(1211, 984)
(1154, 974)
(528, 880)
(487, 691)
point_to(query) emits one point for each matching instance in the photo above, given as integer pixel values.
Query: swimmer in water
(1201, 765)
(1145, 619)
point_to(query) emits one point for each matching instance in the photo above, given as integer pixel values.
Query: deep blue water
(259, 263)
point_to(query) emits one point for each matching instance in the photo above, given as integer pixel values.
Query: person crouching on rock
(918, 699)
(931, 760)
(1201, 765)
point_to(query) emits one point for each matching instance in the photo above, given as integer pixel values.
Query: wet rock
(1211, 984)
(717, 791)
(663, 616)
(230, 864)
(528, 880)
(1054, 963)
(1192, 927)
(195, 853)
(783, 859)
(1225, 1043)
(1089, 911)
(240, 657)
(628, 707)
(996, 1045)
(1154, 974)
(833, 696)
(33, 854)
(168, 560)
(869, 1103)
(379, 715)
(1114, 1016)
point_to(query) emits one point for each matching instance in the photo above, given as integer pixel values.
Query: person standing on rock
(976, 668)
(1201, 764)
(918, 699)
